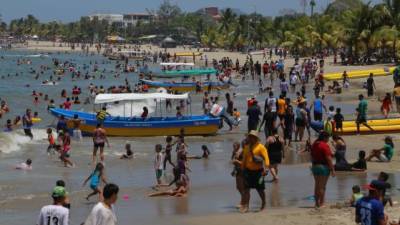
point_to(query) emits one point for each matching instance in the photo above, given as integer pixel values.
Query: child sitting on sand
(357, 195)
(25, 166)
(129, 153)
(361, 163)
(182, 186)
(385, 153)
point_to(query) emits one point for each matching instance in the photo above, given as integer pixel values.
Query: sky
(72, 10)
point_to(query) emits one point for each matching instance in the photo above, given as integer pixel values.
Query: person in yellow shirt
(396, 96)
(254, 165)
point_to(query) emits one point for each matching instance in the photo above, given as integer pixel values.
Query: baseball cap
(59, 192)
(373, 186)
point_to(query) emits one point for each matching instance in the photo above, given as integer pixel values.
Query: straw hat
(253, 133)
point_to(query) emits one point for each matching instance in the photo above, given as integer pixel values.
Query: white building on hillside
(110, 18)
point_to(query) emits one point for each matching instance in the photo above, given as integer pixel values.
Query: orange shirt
(258, 150)
(281, 106)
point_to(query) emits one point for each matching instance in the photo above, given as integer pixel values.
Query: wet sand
(212, 197)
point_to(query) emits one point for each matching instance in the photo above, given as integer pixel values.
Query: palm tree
(392, 11)
(312, 4)
(227, 18)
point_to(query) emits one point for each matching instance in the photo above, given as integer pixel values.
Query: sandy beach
(213, 196)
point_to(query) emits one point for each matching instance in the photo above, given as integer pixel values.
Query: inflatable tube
(375, 129)
(378, 122)
(360, 73)
(350, 127)
(36, 120)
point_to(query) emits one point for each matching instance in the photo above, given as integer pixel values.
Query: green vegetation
(361, 29)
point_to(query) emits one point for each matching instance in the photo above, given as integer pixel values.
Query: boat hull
(137, 127)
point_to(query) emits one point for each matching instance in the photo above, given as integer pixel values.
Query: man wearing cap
(369, 209)
(55, 214)
(254, 165)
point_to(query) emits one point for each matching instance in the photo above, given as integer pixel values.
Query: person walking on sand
(362, 113)
(99, 140)
(301, 120)
(253, 114)
(370, 85)
(322, 167)
(276, 152)
(386, 105)
(254, 165)
(396, 96)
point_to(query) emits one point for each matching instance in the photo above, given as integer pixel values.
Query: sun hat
(254, 133)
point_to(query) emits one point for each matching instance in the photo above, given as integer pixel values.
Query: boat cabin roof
(108, 98)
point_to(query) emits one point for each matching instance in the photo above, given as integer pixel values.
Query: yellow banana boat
(360, 73)
(379, 122)
(378, 126)
(188, 54)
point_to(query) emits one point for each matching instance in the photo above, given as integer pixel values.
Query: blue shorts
(320, 170)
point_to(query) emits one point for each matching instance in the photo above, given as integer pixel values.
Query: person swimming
(129, 153)
(25, 166)
(8, 127)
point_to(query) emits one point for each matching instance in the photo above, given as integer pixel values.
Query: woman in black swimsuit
(275, 146)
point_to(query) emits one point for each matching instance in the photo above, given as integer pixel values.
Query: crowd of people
(279, 116)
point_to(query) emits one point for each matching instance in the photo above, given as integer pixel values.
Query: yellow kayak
(360, 73)
(183, 54)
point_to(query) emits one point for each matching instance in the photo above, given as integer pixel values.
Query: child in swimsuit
(95, 177)
(52, 143)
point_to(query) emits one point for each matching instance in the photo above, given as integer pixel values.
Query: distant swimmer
(24, 166)
(129, 153)
(8, 127)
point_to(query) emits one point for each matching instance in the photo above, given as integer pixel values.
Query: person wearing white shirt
(103, 212)
(55, 214)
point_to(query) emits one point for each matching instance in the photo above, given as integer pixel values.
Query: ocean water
(23, 193)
